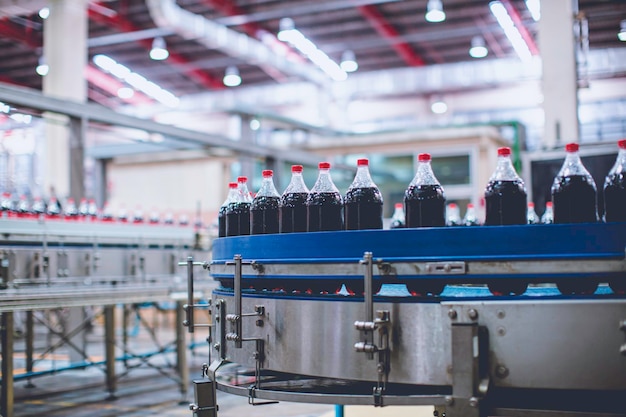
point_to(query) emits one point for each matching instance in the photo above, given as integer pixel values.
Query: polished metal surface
(532, 343)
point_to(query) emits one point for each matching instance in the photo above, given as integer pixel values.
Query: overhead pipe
(167, 14)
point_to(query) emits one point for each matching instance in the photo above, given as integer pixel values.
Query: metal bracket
(190, 306)
(445, 268)
(381, 325)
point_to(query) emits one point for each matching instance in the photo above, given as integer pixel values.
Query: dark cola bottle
(221, 215)
(238, 212)
(615, 188)
(264, 207)
(324, 203)
(397, 218)
(424, 199)
(292, 210)
(505, 194)
(574, 198)
(363, 203)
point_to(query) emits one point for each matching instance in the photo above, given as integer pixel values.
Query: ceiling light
(135, 80)
(159, 50)
(438, 106)
(434, 11)
(285, 29)
(511, 32)
(478, 49)
(534, 7)
(288, 33)
(348, 61)
(125, 93)
(42, 68)
(44, 13)
(232, 77)
(622, 32)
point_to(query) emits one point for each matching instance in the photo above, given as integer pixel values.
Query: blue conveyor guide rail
(574, 256)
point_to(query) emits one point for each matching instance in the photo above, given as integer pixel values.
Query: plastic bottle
(221, 215)
(424, 199)
(615, 188)
(264, 207)
(54, 208)
(92, 209)
(574, 191)
(292, 210)
(238, 212)
(505, 194)
(548, 214)
(453, 215)
(39, 207)
(6, 204)
(324, 203)
(83, 208)
(470, 218)
(398, 218)
(154, 217)
(23, 208)
(531, 214)
(107, 213)
(363, 203)
(71, 211)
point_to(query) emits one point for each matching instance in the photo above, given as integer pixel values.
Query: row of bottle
(299, 209)
(86, 210)
(453, 216)
(324, 209)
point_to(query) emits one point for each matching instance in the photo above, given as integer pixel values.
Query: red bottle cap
(362, 162)
(571, 147)
(296, 168)
(423, 157)
(242, 179)
(399, 205)
(504, 151)
(452, 205)
(267, 173)
(622, 144)
(324, 165)
(232, 185)
(549, 204)
(531, 205)
(470, 205)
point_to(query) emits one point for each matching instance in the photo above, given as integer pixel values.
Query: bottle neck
(573, 166)
(505, 171)
(620, 163)
(243, 195)
(296, 185)
(267, 188)
(398, 213)
(231, 197)
(324, 183)
(362, 179)
(424, 174)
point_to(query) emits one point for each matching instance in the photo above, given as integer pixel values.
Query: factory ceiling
(382, 35)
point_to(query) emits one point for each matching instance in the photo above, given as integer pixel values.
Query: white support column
(65, 51)
(559, 79)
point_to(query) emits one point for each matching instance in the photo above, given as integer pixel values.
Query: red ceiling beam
(18, 33)
(126, 25)
(386, 30)
(517, 20)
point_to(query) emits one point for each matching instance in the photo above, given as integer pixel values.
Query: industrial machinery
(60, 275)
(433, 316)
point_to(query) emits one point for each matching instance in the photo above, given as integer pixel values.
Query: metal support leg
(30, 340)
(206, 400)
(465, 375)
(109, 347)
(6, 403)
(181, 351)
